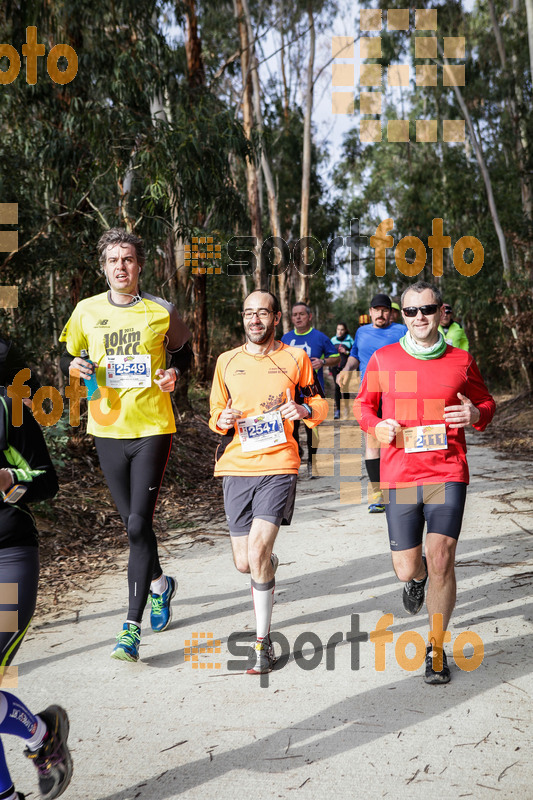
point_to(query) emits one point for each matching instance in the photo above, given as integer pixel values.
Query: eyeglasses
(448, 310)
(427, 311)
(262, 313)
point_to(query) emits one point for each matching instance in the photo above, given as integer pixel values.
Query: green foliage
(414, 183)
(56, 438)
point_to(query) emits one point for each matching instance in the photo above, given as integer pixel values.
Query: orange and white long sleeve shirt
(257, 384)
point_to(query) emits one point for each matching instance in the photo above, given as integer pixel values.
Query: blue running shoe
(127, 646)
(377, 504)
(161, 612)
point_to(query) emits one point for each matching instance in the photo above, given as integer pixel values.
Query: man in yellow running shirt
(127, 334)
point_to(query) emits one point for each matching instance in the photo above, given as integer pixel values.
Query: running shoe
(274, 560)
(431, 676)
(377, 506)
(337, 413)
(413, 593)
(264, 657)
(52, 760)
(161, 612)
(128, 641)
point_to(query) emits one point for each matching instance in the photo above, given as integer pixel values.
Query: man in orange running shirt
(253, 406)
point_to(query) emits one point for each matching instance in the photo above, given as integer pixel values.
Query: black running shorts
(440, 506)
(19, 566)
(269, 497)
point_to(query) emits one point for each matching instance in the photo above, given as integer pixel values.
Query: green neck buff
(423, 353)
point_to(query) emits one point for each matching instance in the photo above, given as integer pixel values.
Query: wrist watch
(308, 409)
(15, 492)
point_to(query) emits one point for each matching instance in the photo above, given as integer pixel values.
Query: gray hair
(120, 236)
(421, 286)
(301, 304)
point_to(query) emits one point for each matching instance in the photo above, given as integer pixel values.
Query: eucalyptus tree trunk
(518, 124)
(275, 224)
(487, 181)
(174, 279)
(125, 192)
(302, 290)
(506, 264)
(252, 183)
(60, 378)
(196, 80)
(529, 13)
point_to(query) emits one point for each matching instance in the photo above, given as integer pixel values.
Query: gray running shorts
(269, 497)
(440, 505)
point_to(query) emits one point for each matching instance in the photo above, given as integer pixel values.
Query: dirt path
(160, 729)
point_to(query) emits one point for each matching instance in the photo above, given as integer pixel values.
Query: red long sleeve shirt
(415, 392)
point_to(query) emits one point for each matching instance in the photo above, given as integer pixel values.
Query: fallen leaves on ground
(81, 533)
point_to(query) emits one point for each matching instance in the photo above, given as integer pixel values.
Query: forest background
(194, 119)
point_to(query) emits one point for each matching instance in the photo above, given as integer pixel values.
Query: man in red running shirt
(430, 393)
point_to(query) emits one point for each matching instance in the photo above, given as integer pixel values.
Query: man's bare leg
(252, 553)
(408, 564)
(442, 587)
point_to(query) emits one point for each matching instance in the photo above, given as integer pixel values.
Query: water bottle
(90, 382)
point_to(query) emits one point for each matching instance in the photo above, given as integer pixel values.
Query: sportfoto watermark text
(380, 637)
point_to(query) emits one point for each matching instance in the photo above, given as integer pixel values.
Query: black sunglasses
(448, 309)
(427, 311)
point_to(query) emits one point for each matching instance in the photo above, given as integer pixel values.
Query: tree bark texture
(302, 288)
(252, 184)
(196, 77)
(275, 224)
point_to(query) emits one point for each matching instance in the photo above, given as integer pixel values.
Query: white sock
(131, 622)
(37, 739)
(263, 597)
(159, 586)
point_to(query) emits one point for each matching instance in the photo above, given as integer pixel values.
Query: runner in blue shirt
(316, 344)
(343, 342)
(368, 339)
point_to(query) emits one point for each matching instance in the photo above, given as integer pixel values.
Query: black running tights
(19, 565)
(134, 470)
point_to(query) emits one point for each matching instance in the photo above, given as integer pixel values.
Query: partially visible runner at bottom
(26, 475)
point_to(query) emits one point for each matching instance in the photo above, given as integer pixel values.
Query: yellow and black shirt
(147, 326)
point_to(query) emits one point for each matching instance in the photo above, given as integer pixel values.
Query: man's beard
(259, 337)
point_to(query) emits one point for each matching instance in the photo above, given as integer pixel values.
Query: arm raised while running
(223, 417)
(29, 459)
(311, 392)
(477, 405)
(366, 404)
